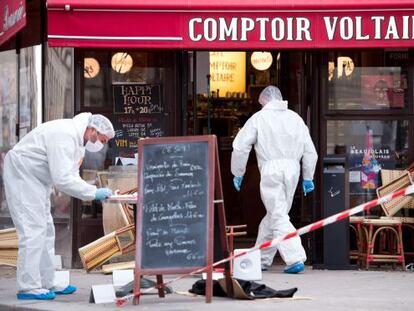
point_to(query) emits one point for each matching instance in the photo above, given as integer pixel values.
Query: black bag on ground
(199, 288)
(256, 290)
(242, 290)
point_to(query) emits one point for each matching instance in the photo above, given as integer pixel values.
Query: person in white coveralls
(281, 141)
(50, 155)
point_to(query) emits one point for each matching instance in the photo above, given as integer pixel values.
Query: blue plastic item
(295, 268)
(70, 289)
(307, 186)
(46, 296)
(102, 193)
(237, 181)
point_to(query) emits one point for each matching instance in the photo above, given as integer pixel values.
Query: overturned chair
(8, 247)
(116, 243)
(381, 240)
(118, 225)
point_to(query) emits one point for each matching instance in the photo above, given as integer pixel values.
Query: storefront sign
(217, 28)
(13, 18)
(301, 29)
(227, 73)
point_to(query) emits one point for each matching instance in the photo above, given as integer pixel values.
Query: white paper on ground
(62, 279)
(216, 276)
(104, 293)
(126, 161)
(122, 277)
(57, 262)
(247, 267)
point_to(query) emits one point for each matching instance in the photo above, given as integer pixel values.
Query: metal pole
(208, 105)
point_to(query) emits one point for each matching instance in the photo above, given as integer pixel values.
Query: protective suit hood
(276, 105)
(81, 122)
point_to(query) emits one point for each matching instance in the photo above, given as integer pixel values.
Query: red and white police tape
(309, 228)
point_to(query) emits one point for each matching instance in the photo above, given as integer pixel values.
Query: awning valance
(231, 24)
(13, 18)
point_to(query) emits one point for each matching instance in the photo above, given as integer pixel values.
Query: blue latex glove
(102, 193)
(307, 186)
(237, 181)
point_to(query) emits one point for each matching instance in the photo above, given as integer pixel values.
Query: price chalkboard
(130, 128)
(136, 98)
(176, 204)
(179, 183)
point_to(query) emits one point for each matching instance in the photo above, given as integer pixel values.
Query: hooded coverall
(49, 155)
(281, 140)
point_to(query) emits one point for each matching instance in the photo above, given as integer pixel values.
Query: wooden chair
(8, 247)
(231, 232)
(393, 180)
(113, 244)
(381, 240)
(119, 215)
(408, 229)
(384, 242)
(361, 236)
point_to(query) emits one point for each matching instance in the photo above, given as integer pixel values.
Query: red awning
(231, 24)
(13, 18)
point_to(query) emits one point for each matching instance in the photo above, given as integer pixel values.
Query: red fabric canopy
(13, 14)
(231, 4)
(235, 24)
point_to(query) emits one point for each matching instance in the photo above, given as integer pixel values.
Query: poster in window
(383, 91)
(365, 161)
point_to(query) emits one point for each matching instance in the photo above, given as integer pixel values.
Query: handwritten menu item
(175, 218)
(135, 98)
(130, 128)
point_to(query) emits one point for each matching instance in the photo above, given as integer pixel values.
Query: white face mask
(94, 147)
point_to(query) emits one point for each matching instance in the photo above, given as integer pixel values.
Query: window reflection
(367, 80)
(369, 145)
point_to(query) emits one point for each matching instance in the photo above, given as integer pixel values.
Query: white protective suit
(281, 140)
(48, 155)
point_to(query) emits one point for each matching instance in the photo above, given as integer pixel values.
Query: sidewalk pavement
(317, 290)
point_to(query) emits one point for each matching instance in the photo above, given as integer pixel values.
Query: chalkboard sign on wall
(136, 98)
(176, 204)
(130, 128)
(138, 113)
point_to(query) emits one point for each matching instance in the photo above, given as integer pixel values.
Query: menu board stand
(179, 187)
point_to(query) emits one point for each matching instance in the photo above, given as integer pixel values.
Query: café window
(369, 146)
(368, 80)
(137, 91)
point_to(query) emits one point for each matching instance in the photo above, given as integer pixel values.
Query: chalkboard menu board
(136, 98)
(174, 222)
(137, 114)
(129, 128)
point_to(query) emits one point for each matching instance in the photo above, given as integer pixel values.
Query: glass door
(225, 90)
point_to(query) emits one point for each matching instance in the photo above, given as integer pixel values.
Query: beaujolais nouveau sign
(13, 18)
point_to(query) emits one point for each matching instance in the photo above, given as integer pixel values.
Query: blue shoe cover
(70, 289)
(46, 296)
(295, 268)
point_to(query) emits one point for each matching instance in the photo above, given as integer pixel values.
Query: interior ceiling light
(91, 67)
(261, 60)
(122, 62)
